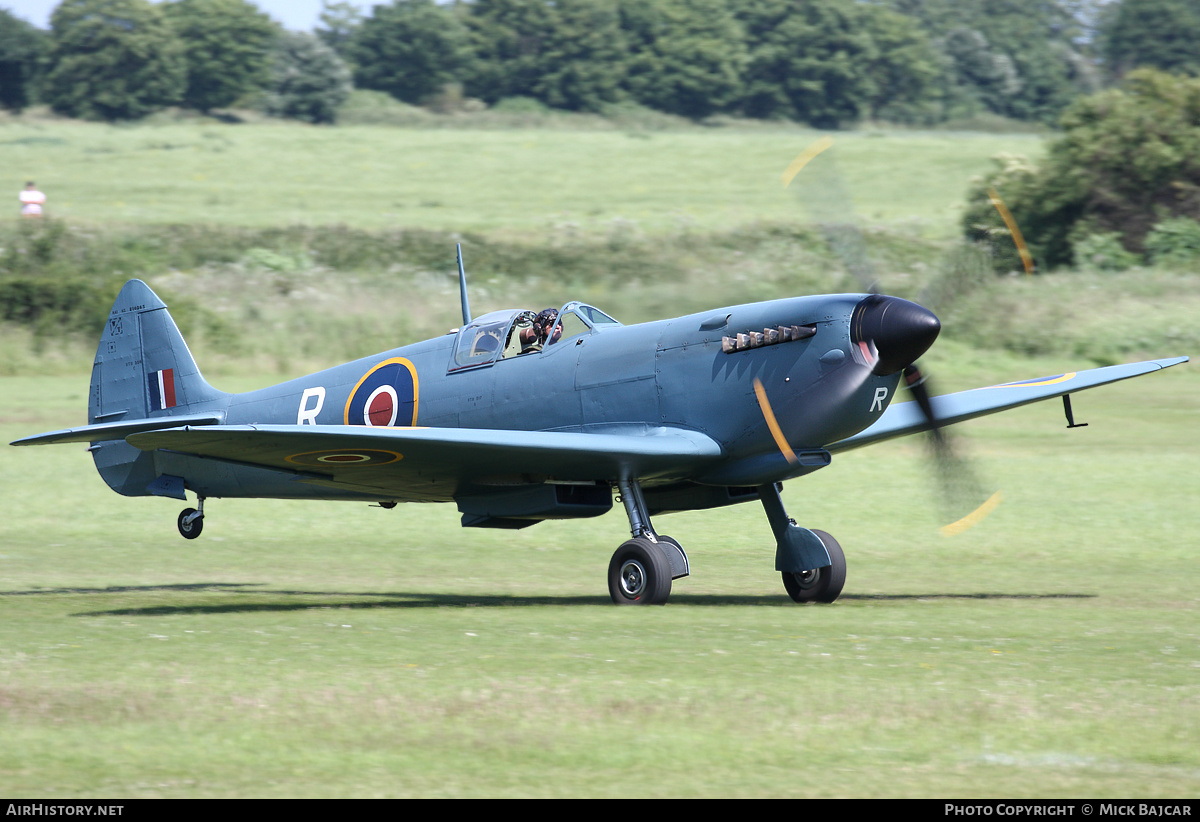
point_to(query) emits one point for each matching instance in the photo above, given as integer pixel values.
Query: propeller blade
(959, 487)
(772, 424)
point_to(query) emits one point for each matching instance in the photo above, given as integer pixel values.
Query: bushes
(1174, 242)
(1171, 243)
(1012, 177)
(1128, 159)
(53, 306)
(1102, 251)
(60, 279)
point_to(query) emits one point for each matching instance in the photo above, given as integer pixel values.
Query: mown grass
(341, 650)
(525, 183)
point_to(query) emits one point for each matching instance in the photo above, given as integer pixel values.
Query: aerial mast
(462, 286)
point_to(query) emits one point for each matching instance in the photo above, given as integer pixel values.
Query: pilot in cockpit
(535, 336)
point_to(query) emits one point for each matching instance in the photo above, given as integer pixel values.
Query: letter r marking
(307, 415)
(880, 396)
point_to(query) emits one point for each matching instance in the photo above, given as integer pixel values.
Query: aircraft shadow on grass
(417, 599)
(122, 589)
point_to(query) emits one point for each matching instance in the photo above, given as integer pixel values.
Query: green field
(337, 649)
(516, 182)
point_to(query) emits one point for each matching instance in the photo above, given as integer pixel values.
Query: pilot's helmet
(545, 320)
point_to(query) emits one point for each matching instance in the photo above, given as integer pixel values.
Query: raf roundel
(345, 458)
(385, 396)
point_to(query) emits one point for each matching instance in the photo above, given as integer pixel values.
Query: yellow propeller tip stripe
(772, 424)
(974, 518)
(1018, 238)
(803, 158)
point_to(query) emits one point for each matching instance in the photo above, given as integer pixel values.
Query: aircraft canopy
(498, 334)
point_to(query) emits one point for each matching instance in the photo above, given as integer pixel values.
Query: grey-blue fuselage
(605, 378)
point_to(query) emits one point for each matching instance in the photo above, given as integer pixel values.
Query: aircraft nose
(901, 331)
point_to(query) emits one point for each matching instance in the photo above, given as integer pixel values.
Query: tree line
(826, 63)
(124, 59)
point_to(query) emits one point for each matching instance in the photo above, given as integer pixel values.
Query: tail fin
(143, 371)
(143, 368)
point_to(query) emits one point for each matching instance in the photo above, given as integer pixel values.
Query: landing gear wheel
(189, 527)
(639, 574)
(823, 584)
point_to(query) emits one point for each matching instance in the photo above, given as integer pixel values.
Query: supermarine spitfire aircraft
(518, 418)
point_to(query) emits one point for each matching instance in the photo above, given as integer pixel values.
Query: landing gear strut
(641, 570)
(191, 521)
(811, 562)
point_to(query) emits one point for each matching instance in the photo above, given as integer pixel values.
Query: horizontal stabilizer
(104, 431)
(906, 418)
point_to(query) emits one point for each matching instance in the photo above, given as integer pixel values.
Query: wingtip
(1160, 365)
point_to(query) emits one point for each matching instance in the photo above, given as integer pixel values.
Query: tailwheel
(191, 521)
(821, 584)
(639, 573)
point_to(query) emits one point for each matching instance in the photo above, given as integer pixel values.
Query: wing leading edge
(906, 418)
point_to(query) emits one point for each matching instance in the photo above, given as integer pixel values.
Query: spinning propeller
(960, 488)
(891, 334)
(898, 332)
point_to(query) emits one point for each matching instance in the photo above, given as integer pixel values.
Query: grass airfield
(336, 649)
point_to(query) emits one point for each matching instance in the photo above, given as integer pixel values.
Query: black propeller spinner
(899, 330)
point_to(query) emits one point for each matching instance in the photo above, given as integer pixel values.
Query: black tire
(639, 574)
(824, 584)
(189, 530)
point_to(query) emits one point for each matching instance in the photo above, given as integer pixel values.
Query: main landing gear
(819, 584)
(811, 562)
(641, 570)
(191, 521)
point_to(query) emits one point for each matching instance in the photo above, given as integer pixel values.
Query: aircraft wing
(428, 463)
(906, 418)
